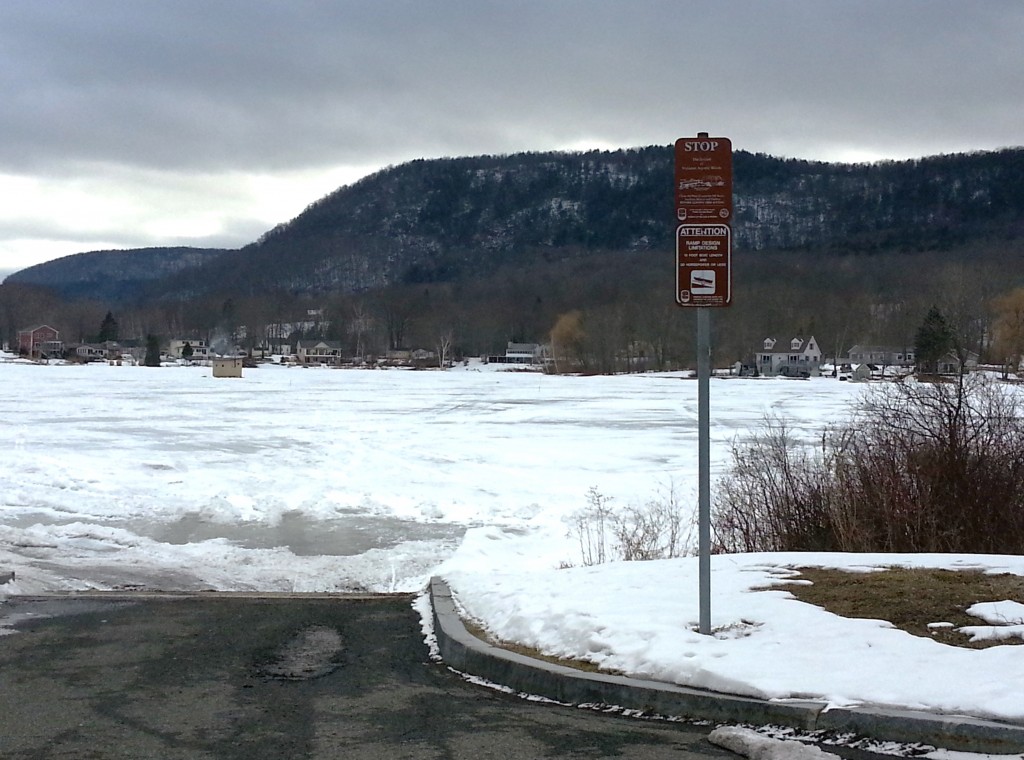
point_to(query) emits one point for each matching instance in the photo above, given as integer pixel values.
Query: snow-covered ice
(326, 480)
(315, 479)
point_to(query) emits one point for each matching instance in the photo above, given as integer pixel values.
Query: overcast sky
(131, 123)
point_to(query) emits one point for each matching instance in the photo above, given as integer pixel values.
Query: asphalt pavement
(256, 676)
(233, 676)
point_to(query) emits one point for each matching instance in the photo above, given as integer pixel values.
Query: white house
(522, 353)
(883, 356)
(90, 352)
(200, 349)
(319, 352)
(797, 358)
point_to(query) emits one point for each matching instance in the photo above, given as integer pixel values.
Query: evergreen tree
(186, 351)
(152, 351)
(934, 340)
(108, 329)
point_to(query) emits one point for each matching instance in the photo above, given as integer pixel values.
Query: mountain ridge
(443, 220)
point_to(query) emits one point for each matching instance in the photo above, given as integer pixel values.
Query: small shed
(862, 372)
(227, 366)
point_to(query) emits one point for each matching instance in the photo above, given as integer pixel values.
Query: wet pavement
(232, 676)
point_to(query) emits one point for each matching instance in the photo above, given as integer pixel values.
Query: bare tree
(444, 348)
(1008, 337)
(567, 341)
(921, 467)
(359, 327)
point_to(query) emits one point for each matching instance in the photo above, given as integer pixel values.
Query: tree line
(614, 310)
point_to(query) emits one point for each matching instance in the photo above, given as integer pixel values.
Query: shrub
(590, 526)
(654, 530)
(775, 497)
(918, 468)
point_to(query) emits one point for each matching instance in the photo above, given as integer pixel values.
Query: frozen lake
(314, 479)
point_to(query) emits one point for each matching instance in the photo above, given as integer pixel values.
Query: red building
(41, 340)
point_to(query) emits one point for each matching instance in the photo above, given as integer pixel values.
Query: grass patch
(910, 599)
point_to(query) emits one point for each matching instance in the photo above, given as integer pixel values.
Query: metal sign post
(703, 194)
(704, 466)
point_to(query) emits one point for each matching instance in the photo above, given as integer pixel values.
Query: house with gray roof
(798, 357)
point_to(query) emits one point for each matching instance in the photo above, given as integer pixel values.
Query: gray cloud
(269, 86)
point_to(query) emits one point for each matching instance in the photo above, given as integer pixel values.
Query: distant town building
(201, 350)
(521, 353)
(40, 341)
(798, 358)
(319, 352)
(883, 356)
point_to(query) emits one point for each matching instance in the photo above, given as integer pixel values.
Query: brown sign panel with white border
(703, 265)
(703, 207)
(703, 180)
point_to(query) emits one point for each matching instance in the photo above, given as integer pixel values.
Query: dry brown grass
(910, 599)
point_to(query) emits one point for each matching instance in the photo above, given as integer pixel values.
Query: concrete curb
(464, 652)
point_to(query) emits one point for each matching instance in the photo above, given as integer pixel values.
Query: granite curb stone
(465, 652)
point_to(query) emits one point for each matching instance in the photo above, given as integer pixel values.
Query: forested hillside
(112, 275)
(448, 219)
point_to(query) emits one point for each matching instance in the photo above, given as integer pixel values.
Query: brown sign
(703, 265)
(703, 196)
(703, 180)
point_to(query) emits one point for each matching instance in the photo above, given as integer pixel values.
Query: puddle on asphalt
(312, 653)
